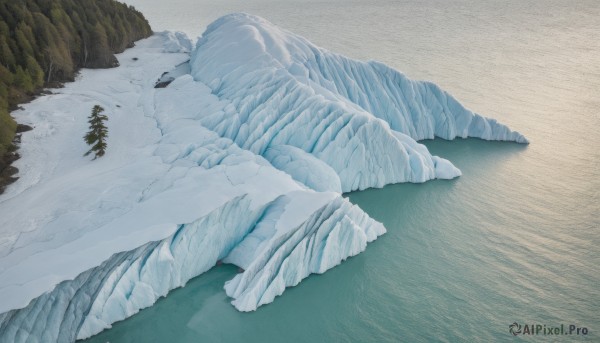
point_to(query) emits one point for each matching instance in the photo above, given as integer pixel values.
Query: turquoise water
(516, 238)
(466, 268)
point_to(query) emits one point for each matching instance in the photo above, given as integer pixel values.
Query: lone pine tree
(98, 133)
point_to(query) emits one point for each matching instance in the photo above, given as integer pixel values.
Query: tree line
(45, 42)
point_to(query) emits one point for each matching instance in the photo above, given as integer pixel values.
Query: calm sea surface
(515, 239)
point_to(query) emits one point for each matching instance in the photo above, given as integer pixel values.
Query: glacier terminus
(242, 158)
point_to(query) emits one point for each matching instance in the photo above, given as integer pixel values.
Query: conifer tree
(98, 133)
(23, 80)
(35, 72)
(6, 56)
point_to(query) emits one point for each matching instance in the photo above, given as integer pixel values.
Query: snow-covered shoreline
(242, 160)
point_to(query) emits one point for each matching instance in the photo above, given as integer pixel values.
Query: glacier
(361, 119)
(241, 159)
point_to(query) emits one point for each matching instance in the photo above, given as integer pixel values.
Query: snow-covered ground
(243, 159)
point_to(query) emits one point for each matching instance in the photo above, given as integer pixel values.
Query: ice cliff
(243, 160)
(360, 119)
